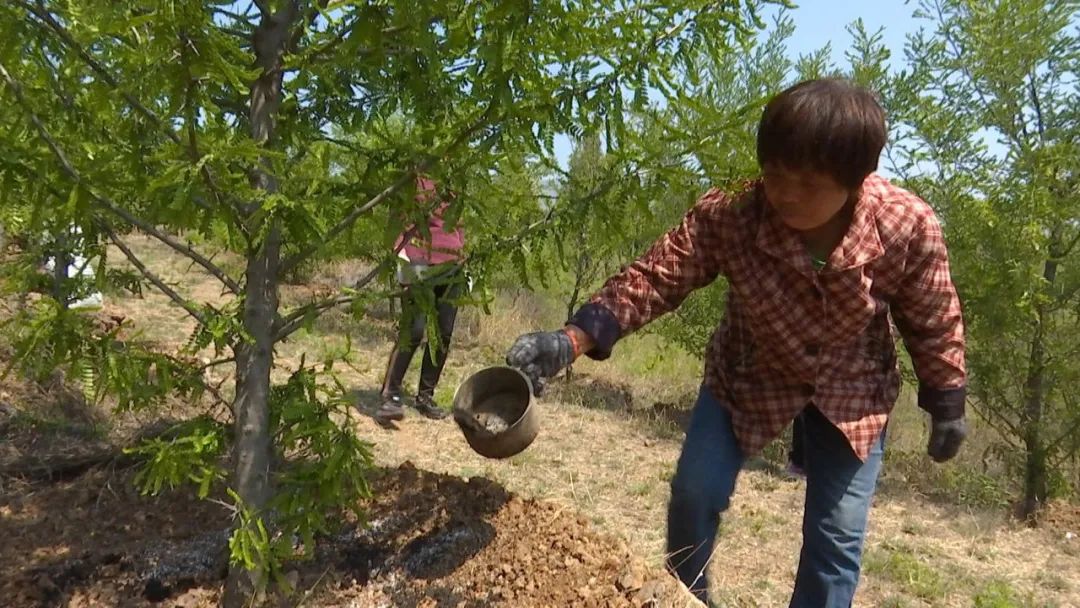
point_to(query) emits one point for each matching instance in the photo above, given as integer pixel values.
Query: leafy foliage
(290, 131)
(988, 108)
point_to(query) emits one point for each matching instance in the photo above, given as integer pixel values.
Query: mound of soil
(435, 540)
(429, 540)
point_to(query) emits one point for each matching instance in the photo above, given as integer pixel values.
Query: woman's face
(804, 199)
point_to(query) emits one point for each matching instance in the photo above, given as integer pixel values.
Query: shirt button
(813, 349)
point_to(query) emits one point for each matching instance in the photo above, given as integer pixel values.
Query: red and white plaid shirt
(792, 335)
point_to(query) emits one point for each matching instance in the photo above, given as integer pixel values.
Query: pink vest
(445, 245)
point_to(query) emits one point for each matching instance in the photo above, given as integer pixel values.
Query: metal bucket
(493, 408)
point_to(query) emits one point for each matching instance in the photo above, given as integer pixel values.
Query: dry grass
(591, 456)
(154, 316)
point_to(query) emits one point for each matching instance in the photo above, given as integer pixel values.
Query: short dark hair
(828, 125)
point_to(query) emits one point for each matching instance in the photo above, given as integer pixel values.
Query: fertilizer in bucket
(493, 408)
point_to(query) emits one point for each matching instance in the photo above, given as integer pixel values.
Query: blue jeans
(839, 488)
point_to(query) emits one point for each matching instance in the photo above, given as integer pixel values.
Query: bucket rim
(528, 385)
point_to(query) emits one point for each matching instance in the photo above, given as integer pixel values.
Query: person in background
(818, 254)
(76, 265)
(434, 265)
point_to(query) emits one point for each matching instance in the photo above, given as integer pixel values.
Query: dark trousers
(795, 454)
(412, 325)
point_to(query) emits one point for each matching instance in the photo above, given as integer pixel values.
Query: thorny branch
(105, 202)
(41, 13)
(150, 276)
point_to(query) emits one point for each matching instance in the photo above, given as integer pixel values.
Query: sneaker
(391, 409)
(427, 406)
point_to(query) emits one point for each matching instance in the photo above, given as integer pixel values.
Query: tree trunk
(255, 359)
(580, 270)
(253, 449)
(61, 260)
(1036, 465)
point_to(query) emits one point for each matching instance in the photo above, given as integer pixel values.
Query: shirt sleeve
(928, 314)
(686, 258)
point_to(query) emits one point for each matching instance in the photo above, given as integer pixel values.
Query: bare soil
(429, 540)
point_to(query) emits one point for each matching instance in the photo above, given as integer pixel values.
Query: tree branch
(333, 42)
(990, 413)
(104, 201)
(1069, 434)
(485, 119)
(1060, 256)
(601, 189)
(1038, 106)
(192, 140)
(16, 88)
(181, 248)
(41, 13)
(150, 276)
(350, 218)
(292, 322)
(245, 37)
(52, 69)
(234, 106)
(295, 320)
(215, 363)
(216, 392)
(344, 143)
(958, 55)
(318, 53)
(1005, 428)
(233, 15)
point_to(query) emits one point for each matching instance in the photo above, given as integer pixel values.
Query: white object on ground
(79, 266)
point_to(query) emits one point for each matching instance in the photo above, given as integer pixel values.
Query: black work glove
(541, 355)
(945, 438)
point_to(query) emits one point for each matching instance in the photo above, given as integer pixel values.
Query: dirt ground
(575, 520)
(534, 530)
(430, 540)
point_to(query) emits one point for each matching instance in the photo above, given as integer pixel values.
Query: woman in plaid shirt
(819, 253)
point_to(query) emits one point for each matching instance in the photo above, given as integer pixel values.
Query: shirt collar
(860, 246)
